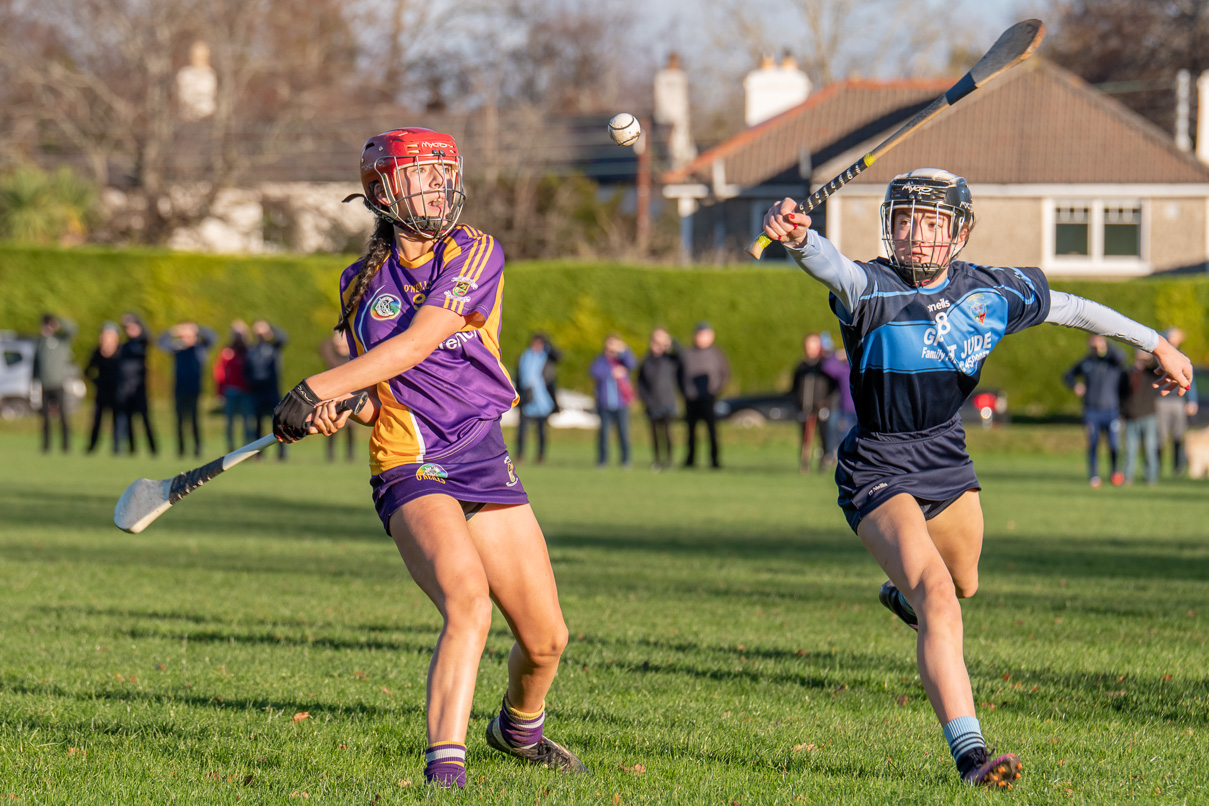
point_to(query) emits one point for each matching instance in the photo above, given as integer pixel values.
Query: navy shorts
(931, 465)
(481, 473)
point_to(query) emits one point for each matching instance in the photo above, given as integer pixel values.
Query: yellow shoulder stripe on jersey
(476, 257)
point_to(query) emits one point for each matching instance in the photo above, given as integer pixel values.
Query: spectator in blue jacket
(614, 393)
(1096, 378)
(189, 345)
(534, 370)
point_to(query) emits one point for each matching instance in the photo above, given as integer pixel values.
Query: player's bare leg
(957, 535)
(513, 551)
(517, 564)
(897, 536)
(933, 563)
(435, 544)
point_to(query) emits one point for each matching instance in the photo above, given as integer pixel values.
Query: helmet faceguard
(928, 190)
(413, 179)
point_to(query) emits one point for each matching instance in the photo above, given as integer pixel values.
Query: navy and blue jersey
(917, 353)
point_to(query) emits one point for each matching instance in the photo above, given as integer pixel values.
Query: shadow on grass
(210, 702)
(237, 514)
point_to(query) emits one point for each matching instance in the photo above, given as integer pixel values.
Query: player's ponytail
(377, 250)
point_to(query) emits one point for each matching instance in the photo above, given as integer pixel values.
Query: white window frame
(1095, 262)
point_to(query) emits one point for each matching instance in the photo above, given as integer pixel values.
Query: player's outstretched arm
(1175, 369)
(817, 256)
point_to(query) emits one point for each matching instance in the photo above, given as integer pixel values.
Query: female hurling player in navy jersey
(917, 326)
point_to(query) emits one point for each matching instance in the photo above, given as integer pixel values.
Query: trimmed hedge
(760, 314)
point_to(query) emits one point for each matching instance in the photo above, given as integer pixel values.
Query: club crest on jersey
(512, 479)
(385, 307)
(978, 307)
(431, 472)
(461, 287)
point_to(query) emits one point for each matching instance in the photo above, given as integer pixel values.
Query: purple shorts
(479, 474)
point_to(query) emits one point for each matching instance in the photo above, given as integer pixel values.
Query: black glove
(290, 416)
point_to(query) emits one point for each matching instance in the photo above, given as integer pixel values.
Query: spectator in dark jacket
(189, 344)
(53, 367)
(658, 384)
(704, 372)
(132, 382)
(263, 373)
(1096, 378)
(614, 393)
(1139, 400)
(102, 370)
(813, 391)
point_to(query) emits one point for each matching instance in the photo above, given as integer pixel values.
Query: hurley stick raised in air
(1013, 46)
(147, 499)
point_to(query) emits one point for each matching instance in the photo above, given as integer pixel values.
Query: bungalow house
(1063, 176)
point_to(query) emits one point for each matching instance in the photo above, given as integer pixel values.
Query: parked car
(752, 411)
(20, 394)
(987, 407)
(575, 410)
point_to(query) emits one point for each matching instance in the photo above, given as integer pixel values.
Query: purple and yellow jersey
(445, 402)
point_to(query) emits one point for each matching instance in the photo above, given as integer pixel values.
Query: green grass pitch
(262, 643)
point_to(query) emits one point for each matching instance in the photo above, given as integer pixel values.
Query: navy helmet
(927, 189)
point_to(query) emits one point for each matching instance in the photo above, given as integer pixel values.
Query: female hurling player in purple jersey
(917, 326)
(422, 310)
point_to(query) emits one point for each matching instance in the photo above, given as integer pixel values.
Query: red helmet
(427, 203)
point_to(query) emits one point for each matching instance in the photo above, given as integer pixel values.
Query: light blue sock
(963, 734)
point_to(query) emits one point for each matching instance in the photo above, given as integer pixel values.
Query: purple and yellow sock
(519, 729)
(446, 764)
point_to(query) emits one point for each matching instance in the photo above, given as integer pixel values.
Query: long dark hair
(377, 250)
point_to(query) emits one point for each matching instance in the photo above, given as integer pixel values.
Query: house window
(1071, 230)
(1097, 232)
(1122, 231)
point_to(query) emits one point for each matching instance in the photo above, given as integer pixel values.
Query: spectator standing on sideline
(53, 367)
(132, 382)
(334, 352)
(102, 370)
(843, 410)
(263, 372)
(812, 393)
(1096, 378)
(704, 372)
(1138, 399)
(534, 371)
(658, 379)
(231, 384)
(189, 345)
(1172, 413)
(614, 393)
